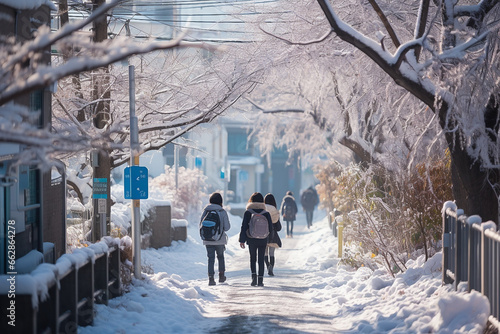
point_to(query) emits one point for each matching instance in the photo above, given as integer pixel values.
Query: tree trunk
(101, 93)
(471, 185)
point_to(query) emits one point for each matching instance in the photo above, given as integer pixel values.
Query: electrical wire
(174, 17)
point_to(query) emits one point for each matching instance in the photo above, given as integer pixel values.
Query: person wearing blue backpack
(213, 226)
(255, 229)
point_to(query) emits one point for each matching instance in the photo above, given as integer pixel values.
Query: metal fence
(471, 254)
(67, 299)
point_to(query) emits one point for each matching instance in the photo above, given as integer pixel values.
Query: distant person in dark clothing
(289, 212)
(309, 200)
(256, 208)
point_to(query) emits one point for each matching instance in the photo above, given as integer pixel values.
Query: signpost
(134, 161)
(100, 196)
(136, 182)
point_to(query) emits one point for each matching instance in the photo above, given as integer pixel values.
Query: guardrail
(471, 253)
(57, 298)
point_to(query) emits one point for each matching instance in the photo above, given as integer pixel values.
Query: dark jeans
(211, 250)
(309, 217)
(257, 248)
(289, 227)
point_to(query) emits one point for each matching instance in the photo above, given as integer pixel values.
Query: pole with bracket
(134, 161)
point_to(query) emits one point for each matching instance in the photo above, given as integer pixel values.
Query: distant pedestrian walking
(213, 226)
(274, 240)
(255, 229)
(309, 200)
(289, 212)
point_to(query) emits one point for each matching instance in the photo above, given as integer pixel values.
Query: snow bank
(179, 223)
(371, 300)
(461, 313)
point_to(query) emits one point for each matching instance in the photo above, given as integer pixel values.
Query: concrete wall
(163, 231)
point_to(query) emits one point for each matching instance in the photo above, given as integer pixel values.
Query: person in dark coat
(256, 247)
(274, 240)
(218, 246)
(289, 211)
(309, 200)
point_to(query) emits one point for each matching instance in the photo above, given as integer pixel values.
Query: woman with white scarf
(274, 240)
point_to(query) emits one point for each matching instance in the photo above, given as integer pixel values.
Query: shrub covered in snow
(388, 217)
(186, 199)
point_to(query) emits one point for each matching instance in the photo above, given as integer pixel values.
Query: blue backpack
(211, 227)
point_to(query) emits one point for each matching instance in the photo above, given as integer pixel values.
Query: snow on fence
(471, 254)
(57, 298)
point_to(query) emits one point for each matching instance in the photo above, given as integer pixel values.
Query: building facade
(232, 161)
(32, 202)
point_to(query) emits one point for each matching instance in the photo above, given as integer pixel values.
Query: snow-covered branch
(388, 63)
(386, 22)
(117, 50)
(476, 13)
(274, 111)
(303, 43)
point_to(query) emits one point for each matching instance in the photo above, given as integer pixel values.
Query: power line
(174, 17)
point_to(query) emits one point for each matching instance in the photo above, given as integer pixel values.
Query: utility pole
(134, 161)
(176, 165)
(101, 161)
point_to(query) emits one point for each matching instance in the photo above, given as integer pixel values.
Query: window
(32, 195)
(237, 142)
(36, 105)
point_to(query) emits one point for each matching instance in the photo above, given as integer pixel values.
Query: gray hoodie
(224, 220)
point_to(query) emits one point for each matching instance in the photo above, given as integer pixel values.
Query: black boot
(261, 281)
(211, 280)
(266, 260)
(271, 267)
(222, 278)
(254, 280)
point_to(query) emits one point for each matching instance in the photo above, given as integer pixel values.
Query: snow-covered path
(311, 293)
(281, 306)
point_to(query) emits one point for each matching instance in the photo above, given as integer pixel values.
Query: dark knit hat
(216, 198)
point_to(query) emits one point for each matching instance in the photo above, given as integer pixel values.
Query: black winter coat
(257, 207)
(274, 238)
(289, 200)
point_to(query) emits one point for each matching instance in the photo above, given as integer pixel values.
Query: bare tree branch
(385, 22)
(321, 39)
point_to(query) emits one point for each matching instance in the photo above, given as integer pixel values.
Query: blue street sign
(100, 188)
(198, 162)
(135, 181)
